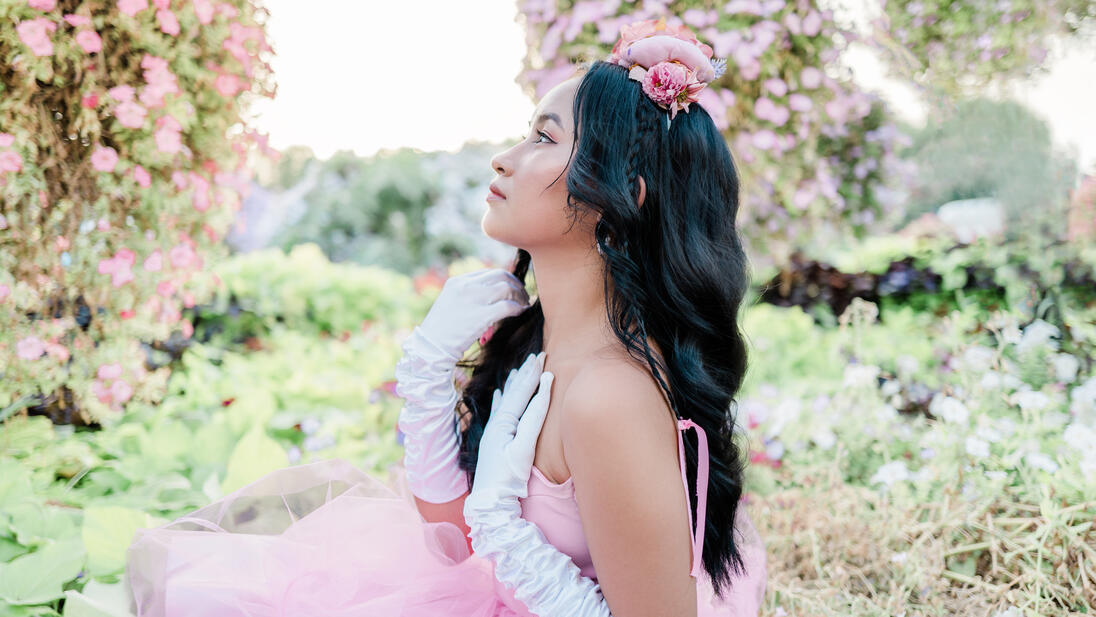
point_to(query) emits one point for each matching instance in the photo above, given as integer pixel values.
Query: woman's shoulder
(613, 391)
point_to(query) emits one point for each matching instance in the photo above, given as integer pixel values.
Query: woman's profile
(590, 465)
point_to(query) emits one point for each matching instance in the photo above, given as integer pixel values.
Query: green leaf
(98, 600)
(255, 455)
(37, 578)
(108, 532)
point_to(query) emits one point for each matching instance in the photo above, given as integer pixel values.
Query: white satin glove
(539, 574)
(464, 309)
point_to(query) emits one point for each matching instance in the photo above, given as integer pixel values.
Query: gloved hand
(466, 307)
(539, 574)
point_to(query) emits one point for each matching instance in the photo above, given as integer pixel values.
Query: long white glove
(464, 309)
(539, 574)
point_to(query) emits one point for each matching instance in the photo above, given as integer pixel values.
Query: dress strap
(701, 488)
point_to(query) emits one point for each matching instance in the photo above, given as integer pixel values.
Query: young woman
(569, 468)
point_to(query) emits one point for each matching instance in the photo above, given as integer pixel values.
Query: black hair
(675, 273)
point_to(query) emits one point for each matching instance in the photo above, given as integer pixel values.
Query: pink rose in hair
(672, 84)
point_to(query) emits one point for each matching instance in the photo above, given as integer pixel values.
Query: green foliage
(370, 211)
(985, 148)
(122, 130)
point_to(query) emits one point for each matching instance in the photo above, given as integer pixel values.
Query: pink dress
(328, 539)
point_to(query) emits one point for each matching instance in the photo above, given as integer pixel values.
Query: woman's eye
(544, 135)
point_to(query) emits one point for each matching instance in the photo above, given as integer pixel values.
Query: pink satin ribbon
(701, 488)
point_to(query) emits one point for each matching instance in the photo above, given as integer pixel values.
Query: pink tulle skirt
(327, 539)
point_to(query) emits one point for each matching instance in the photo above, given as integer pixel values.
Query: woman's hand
(509, 441)
(467, 306)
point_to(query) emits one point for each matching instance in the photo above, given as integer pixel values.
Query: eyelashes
(544, 135)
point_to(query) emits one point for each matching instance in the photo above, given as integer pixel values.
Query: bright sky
(431, 74)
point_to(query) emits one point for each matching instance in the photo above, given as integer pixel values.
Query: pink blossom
(154, 262)
(168, 22)
(764, 139)
(168, 139)
(810, 78)
(812, 23)
(751, 7)
(5, 291)
(102, 225)
(180, 179)
(130, 114)
(793, 23)
(227, 85)
(104, 158)
(6, 140)
(800, 102)
(144, 180)
(204, 10)
(227, 10)
(186, 328)
(182, 256)
(118, 267)
(109, 371)
(750, 70)
(89, 41)
(716, 108)
(42, 5)
(10, 161)
(126, 257)
(121, 391)
(132, 7)
(765, 109)
(161, 4)
(672, 84)
(101, 392)
(776, 86)
(161, 81)
(90, 101)
(30, 348)
(165, 288)
(121, 93)
(201, 192)
(837, 109)
(35, 35)
(58, 351)
(77, 21)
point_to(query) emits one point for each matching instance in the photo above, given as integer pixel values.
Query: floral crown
(668, 61)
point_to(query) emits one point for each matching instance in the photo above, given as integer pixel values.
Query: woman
(622, 200)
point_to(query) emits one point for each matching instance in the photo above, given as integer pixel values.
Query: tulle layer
(324, 538)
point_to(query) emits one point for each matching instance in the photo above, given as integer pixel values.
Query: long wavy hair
(675, 273)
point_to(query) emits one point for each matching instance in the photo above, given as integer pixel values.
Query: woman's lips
(494, 194)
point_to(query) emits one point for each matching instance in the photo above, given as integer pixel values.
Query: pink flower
(764, 139)
(100, 391)
(180, 179)
(227, 85)
(154, 262)
(109, 371)
(89, 41)
(165, 288)
(102, 225)
(673, 84)
(167, 136)
(77, 21)
(104, 158)
(42, 5)
(10, 161)
(812, 23)
(5, 291)
(90, 101)
(132, 7)
(182, 256)
(6, 140)
(30, 348)
(121, 93)
(765, 109)
(121, 391)
(800, 102)
(130, 115)
(168, 22)
(35, 35)
(204, 10)
(119, 267)
(144, 180)
(161, 4)
(810, 78)
(60, 352)
(776, 86)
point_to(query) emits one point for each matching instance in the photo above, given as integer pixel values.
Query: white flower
(899, 557)
(1037, 334)
(1065, 367)
(907, 365)
(924, 475)
(894, 471)
(1007, 426)
(786, 411)
(774, 450)
(886, 413)
(1083, 399)
(1030, 400)
(997, 474)
(860, 375)
(1041, 461)
(978, 358)
(988, 433)
(977, 448)
(991, 380)
(1080, 438)
(949, 409)
(927, 453)
(824, 438)
(891, 387)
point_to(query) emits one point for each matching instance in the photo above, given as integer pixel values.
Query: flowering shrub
(814, 150)
(122, 151)
(963, 45)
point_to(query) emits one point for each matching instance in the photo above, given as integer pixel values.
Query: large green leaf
(108, 532)
(98, 600)
(37, 578)
(255, 455)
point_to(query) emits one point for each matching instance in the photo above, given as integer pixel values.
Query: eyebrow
(548, 116)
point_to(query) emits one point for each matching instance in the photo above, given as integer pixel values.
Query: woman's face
(532, 213)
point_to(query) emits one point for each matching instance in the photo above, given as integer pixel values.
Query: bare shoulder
(611, 396)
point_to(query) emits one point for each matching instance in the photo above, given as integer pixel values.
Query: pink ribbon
(702, 493)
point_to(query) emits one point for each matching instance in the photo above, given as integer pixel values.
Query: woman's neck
(571, 291)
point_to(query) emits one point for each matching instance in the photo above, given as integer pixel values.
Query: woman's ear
(642, 190)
